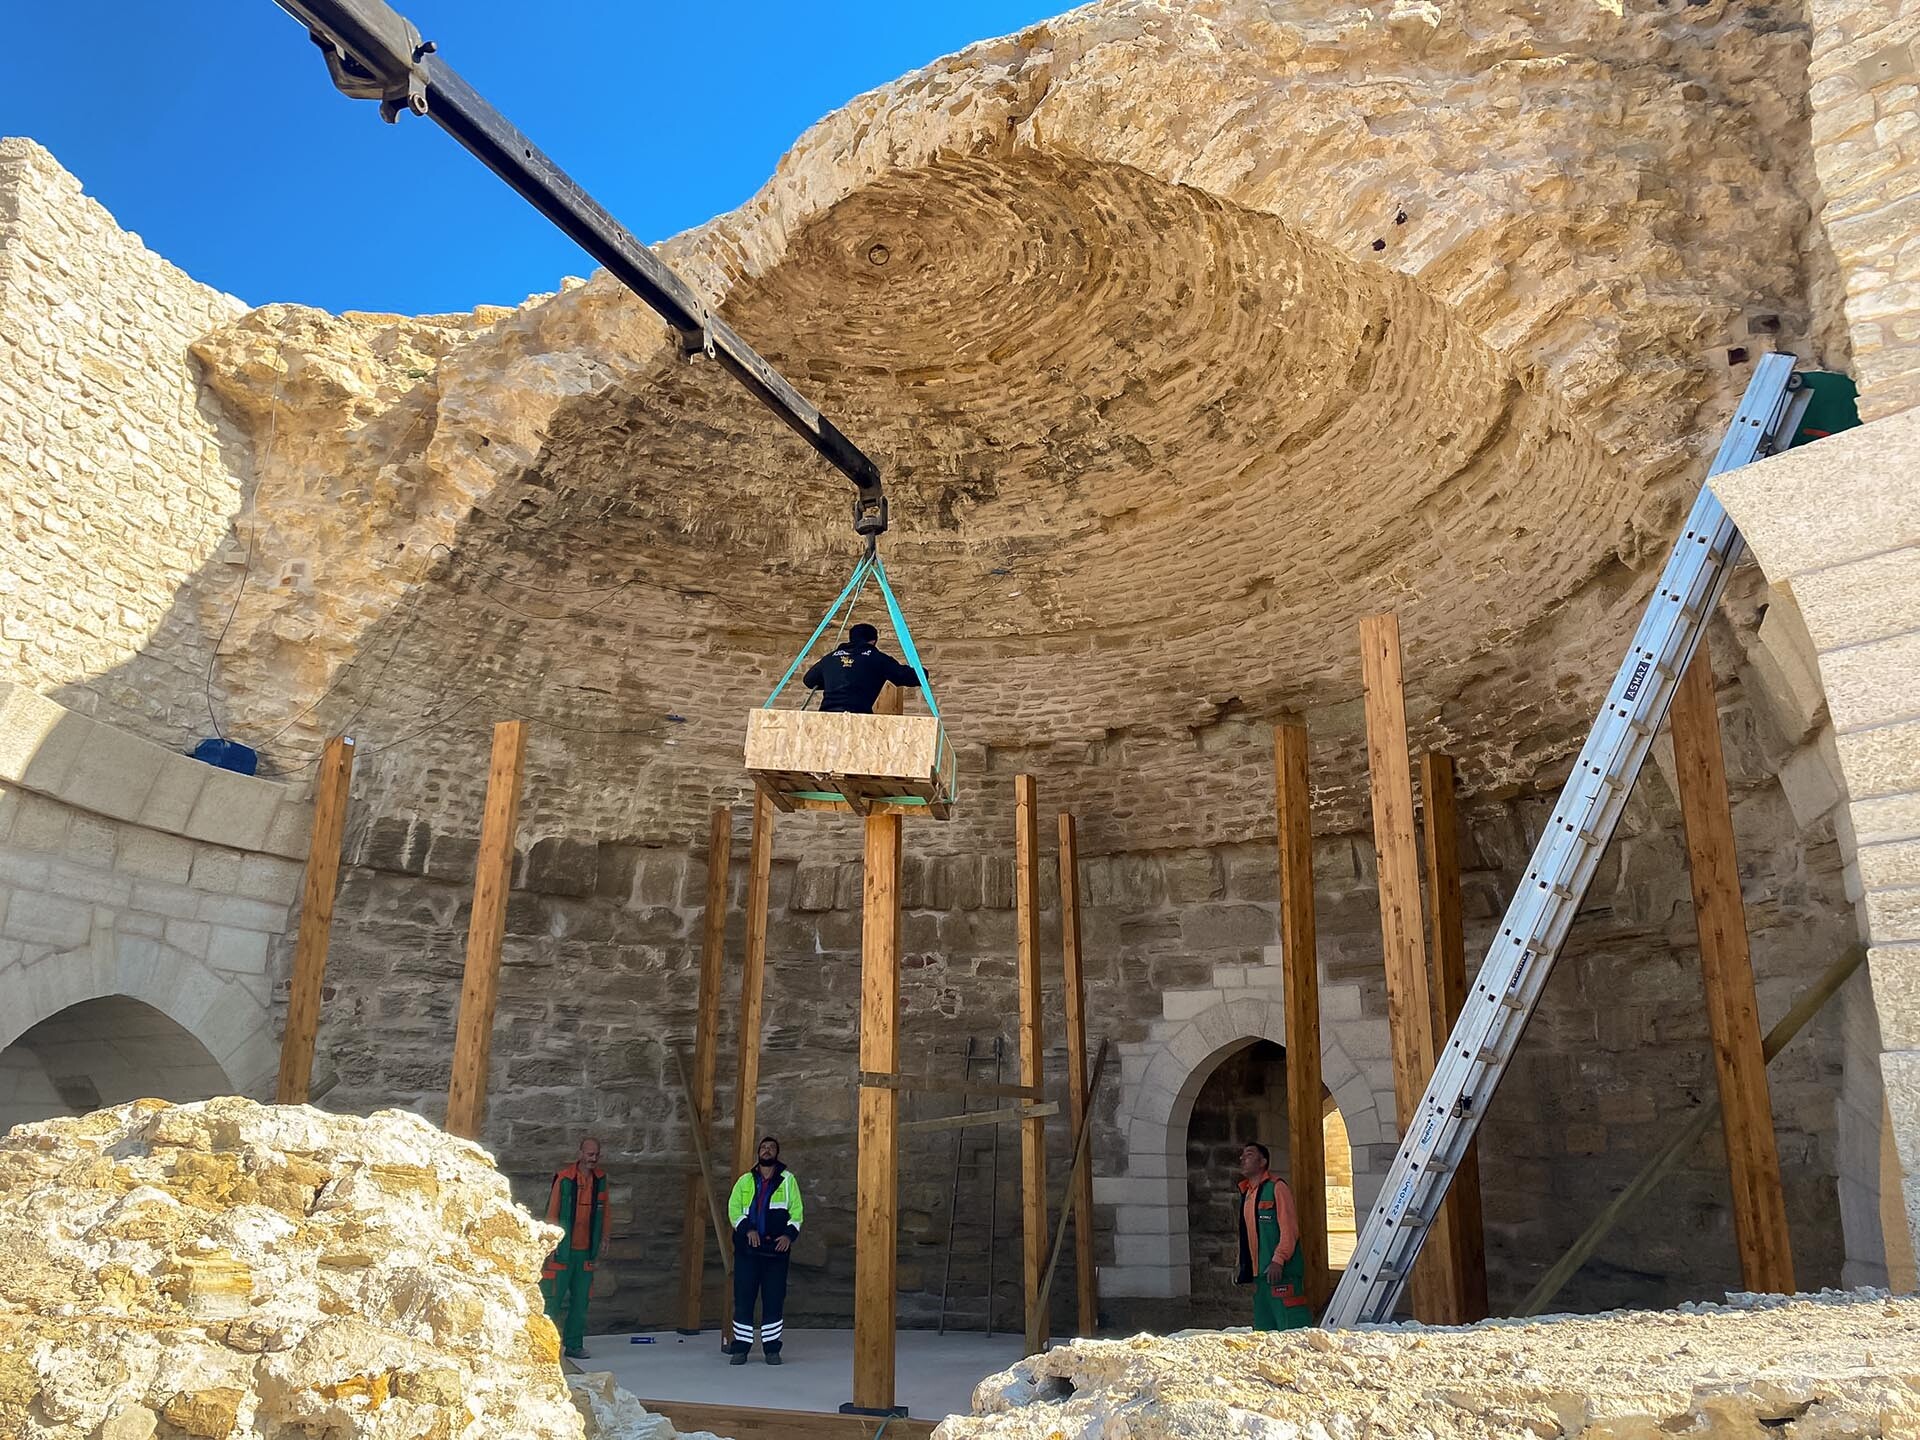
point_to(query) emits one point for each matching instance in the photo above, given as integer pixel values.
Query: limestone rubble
(1826, 1366)
(227, 1270)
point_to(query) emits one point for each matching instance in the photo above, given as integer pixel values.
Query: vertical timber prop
(487, 928)
(753, 985)
(330, 793)
(1466, 1226)
(1086, 1277)
(1300, 974)
(875, 1240)
(1733, 1013)
(1033, 1132)
(706, 1047)
(1409, 1006)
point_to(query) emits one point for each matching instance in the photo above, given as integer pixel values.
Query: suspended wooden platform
(864, 764)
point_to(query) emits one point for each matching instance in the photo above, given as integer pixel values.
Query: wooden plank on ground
(1080, 1186)
(745, 1422)
(1733, 1013)
(706, 1054)
(1033, 1133)
(486, 929)
(1448, 989)
(876, 1243)
(753, 985)
(1300, 975)
(330, 794)
(1409, 1005)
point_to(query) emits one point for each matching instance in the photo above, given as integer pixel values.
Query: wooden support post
(1300, 974)
(1733, 1014)
(1810, 1003)
(876, 1244)
(706, 1051)
(1438, 791)
(746, 1084)
(1409, 1006)
(1078, 1098)
(316, 921)
(1033, 1132)
(492, 878)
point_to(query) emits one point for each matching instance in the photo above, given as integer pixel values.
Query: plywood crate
(808, 759)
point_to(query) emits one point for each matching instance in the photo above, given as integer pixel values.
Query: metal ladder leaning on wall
(1530, 935)
(962, 1165)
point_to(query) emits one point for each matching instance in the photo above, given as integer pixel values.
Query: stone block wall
(1837, 526)
(128, 870)
(1865, 99)
(119, 480)
(600, 975)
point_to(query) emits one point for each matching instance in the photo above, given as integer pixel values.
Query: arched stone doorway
(102, 1052)
(1245, 1099)
(1164, 1076)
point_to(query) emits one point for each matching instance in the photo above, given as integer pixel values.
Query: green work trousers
(1281, 1306)
(565, 1291)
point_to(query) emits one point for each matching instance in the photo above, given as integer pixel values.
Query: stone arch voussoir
(1151, 1253)
(219, 1012)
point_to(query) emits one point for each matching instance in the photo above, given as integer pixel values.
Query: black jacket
(852, 678)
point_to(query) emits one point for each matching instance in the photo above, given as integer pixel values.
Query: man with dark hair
(577, 1203)
(852, 676)
(1270, 1256)
(766, 1213)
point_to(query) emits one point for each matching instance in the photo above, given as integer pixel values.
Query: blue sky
(209, 127)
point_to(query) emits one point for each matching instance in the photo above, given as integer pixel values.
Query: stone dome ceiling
(1185, 335)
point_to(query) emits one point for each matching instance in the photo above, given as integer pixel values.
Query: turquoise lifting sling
(870, 568)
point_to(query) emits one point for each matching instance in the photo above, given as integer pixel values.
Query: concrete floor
(935, 1374)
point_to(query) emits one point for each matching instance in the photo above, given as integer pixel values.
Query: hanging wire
(246, 566)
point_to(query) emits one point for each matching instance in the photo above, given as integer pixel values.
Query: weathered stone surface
(1186, 333)
(1834, 1365)
(610, 1413)
(242, 1271)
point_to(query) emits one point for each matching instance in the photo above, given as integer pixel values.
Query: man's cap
(862, 634)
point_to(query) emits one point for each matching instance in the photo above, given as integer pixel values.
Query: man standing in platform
(852, 676)
(578, 1203)
(1270, 1255)
(766, 1213)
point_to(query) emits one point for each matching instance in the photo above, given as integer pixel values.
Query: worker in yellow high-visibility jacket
(766, 1214)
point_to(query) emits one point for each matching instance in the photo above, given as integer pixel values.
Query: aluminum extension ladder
(1536, 923)
(975, 1059)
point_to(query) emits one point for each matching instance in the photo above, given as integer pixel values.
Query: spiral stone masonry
(1186, 334)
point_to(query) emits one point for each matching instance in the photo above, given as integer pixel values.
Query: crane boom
(375, 53)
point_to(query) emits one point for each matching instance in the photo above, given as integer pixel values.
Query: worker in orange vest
(1270, 1256)
(578, 1204)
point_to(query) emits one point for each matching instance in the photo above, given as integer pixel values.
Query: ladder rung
(1564, 857)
